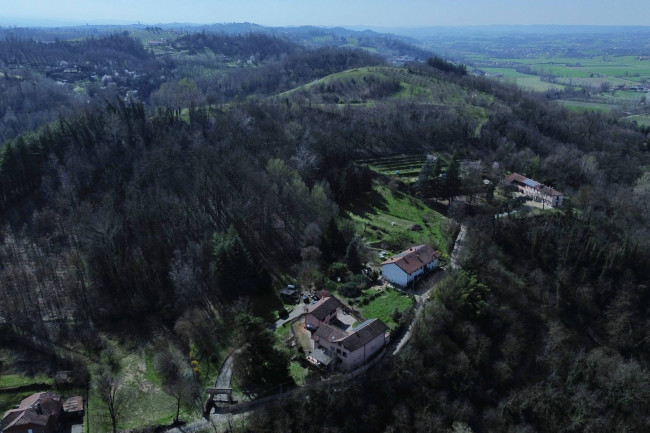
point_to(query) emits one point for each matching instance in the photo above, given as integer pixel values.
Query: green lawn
(406, 164)
(148, 403)
(298, 372)
(527, 81)
(14, 380)
(585, 106)
(641, 119)
(385, 217)
(282, 332)
(383, 306)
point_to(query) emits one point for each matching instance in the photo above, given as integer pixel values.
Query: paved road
(430, 284)
(421, 297)
(225, 374)
(216, 422)
(455, 253)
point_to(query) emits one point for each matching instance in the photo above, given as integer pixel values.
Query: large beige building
(537, 191)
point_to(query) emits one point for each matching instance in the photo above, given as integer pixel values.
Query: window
(345, 355)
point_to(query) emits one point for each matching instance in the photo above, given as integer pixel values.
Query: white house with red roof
(408, 265)
(537, 191)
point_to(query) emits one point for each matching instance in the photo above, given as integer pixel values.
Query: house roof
(37, 409)
(329, 333)
(324, 307)
(414, 258)
(73, 404)
(359, 337)
(320, 356)
(545, 190)
(364, 334)
(287, 291)
(514, 177)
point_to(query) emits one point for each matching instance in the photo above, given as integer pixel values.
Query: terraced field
(402, 165)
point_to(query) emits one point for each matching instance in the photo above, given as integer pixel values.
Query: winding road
(219, 420)
(422, 299)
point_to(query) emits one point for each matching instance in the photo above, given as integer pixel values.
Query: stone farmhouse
(335, 346)
(409, 265)
(537, 191)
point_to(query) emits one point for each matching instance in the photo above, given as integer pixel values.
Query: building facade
(535, 190)
(322, 311)
(407, 266)
(351, 349)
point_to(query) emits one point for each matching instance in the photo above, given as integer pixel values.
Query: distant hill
(392, 46)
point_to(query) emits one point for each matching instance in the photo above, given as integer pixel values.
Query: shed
(289, 294)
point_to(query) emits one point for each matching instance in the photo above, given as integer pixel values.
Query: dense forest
(179, 212)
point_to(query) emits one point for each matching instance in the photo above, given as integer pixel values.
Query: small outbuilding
(289, 295)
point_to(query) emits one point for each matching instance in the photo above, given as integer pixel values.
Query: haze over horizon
(378, 13)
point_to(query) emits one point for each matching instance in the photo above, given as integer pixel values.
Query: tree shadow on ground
(370, 203)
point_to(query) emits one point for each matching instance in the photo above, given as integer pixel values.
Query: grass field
(148, 403)
(10, 399)
(14, 380)
(603, 76)
(641, 119)
(282, 333)
(403, 165)
(586, 106)
(624, 67)
(385, 218)
(298, 372)
(531, 82)
(413, 87)
(383, 306)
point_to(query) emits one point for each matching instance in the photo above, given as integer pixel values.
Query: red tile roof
(324, 307)
(414, 258)
(37, 409)
(514, 177)
(545, 190)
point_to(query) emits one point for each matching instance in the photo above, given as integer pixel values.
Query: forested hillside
(177, 214)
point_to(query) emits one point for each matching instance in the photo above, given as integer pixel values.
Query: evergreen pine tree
(452, 179)
(425, 179)
(353, 256)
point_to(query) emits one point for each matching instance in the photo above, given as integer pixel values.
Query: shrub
(350, 290)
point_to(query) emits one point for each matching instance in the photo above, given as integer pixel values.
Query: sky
(376, 13)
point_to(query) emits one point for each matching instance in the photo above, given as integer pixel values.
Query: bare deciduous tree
(110, 390)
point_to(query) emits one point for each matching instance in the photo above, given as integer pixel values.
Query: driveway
(458, 246)
(295, 313)
(225, 374)
(424, 289)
